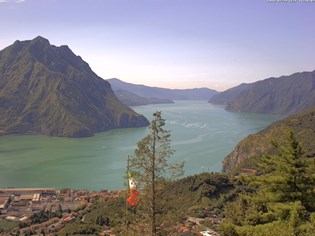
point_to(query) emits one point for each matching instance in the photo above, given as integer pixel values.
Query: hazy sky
(173, 43)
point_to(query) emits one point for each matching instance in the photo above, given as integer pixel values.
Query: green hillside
(49, 90)
(200, 195)
(249, 149)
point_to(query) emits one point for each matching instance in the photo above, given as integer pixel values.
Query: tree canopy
(281, 197)
(151, 167)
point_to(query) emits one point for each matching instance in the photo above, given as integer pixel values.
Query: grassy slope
(249, 149)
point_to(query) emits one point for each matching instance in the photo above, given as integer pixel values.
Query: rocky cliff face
(252, 147)
(49, 90)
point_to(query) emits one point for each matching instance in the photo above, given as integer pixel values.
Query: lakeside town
(21, 204)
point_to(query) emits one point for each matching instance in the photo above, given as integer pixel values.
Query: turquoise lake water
(202, 135)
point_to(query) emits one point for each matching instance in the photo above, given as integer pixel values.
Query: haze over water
(202, 135)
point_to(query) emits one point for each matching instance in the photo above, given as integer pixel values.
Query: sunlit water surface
(202, 135)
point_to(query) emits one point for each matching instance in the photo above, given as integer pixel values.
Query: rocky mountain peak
(49, 90)
(40, 40)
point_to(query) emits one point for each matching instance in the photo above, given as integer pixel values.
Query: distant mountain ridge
(250, 148)
(163, 93)
(131, 99)
(227, 96)
(49, 90)
(285, 95)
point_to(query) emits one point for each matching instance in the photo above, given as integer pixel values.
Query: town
(20, 205)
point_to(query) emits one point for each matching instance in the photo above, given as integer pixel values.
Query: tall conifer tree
(282, 195)
(151, 167)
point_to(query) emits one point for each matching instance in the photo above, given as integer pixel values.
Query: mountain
(131, 99)
(163, 93)
(303, 126)
(286, 95)
(227, 96)
(49, 90)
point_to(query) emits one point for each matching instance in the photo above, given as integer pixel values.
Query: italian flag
(134, 197)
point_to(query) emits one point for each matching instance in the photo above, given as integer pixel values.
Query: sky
(173, 43)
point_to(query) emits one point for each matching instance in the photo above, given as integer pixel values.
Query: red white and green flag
(134, 197)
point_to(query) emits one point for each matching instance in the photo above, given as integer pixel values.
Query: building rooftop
(13, 190)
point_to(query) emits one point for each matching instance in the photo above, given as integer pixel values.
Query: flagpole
(126, 208)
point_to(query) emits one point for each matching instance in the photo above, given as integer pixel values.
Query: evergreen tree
(151, 167)
(284, 175)
(281, 196)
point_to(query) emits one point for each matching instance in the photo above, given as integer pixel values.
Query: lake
(202, 135)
